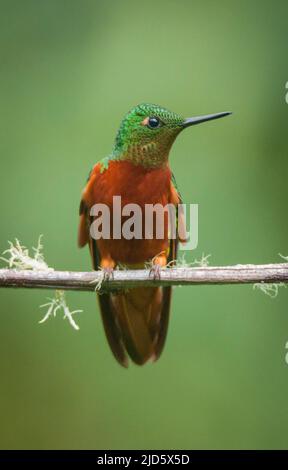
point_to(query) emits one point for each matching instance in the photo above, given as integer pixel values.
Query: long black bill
(198, 119)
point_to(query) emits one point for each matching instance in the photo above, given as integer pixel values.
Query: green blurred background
(69, 71)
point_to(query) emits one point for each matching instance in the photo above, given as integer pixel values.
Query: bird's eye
(153, 122)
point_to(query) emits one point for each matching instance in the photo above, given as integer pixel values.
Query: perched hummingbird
(136, 320)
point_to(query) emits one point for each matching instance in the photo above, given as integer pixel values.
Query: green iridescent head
(148, 131)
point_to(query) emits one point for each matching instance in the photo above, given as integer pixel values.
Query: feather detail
(135, 321)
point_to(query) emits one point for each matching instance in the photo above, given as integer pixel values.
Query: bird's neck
(149, 155)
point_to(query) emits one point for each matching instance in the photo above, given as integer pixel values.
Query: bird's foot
(106, 274)
(155, 272)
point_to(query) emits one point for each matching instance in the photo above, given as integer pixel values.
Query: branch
(127, 279)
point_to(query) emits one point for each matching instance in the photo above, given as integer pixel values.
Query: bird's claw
(106, 275)
(155, 272)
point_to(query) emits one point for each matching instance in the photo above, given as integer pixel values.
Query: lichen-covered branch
(181, 276)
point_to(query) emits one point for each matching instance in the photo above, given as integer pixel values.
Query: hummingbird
(136, 320)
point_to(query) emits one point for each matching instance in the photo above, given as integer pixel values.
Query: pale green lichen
(19, 258)
(271, 290)
(58, 302)
(183, 263)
